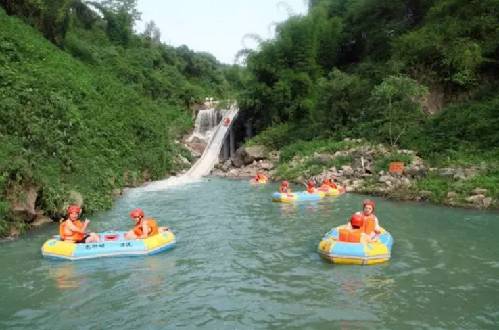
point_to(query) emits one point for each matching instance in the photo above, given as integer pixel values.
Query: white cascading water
(209, 158)
(206, 122)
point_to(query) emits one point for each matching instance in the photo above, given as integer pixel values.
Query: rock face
(23, 208)
(24, 203)
(256, 152)
(240, 158)
(247, 155)
(246, 162)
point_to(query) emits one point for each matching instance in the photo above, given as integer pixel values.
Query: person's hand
(86, 222)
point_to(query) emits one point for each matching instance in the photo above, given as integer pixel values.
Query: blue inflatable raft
(339, 252)
(296, 197)
(112, 244)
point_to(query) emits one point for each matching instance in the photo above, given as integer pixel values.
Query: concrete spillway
(209, 158)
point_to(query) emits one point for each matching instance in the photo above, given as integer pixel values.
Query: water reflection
(157, 271)
(287, 209)
(64, 275)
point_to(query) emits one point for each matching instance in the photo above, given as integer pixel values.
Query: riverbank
(26, 214)
(363, 167)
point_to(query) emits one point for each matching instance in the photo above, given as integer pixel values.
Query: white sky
(216, 26)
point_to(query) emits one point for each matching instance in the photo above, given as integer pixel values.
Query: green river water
(243, 262)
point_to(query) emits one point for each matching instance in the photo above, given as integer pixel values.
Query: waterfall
(205, 124)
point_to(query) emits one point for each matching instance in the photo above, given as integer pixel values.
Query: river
(243, 262)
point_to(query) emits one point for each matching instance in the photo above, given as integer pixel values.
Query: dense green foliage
(95, 110)
(381, 70)
(416, 74)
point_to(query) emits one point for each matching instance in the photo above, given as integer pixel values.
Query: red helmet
(368, 202)
(136, 213)
(285, 183)
(74, 208)
(311, 183)
(357, 220)
(327, 181)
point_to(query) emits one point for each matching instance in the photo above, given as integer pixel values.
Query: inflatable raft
(329, 191)
(261, 181)
(112, 244)
(330, 248)
(296, 197)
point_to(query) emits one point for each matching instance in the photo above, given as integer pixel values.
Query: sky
(216, 26)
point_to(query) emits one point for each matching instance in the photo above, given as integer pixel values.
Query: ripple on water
(242, 262)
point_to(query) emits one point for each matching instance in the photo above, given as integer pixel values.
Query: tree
(152, 32)
(51, 17)
(397, 101)
(120, 16)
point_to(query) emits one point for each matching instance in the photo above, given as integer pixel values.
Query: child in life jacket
(284, 188)
(143, 227)
(352, 232)
(370, 225)
(73, 230)
(259, 177)
(329, 183)
(311, 187)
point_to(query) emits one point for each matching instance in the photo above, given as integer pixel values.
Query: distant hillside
(417, 74)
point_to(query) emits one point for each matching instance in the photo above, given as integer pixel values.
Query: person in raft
(259, 177)
(353, 231)
(284, 188)
(73, 230)
(143, 227)
(369, 224)
(311, 187)
(328, 183)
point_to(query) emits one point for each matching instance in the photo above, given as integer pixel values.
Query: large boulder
(256, 152)
(24, 203)
(415, 171)
(480, 191)
(239, 158)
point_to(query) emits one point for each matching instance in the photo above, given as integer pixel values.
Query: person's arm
(74, 229)
(85, 224)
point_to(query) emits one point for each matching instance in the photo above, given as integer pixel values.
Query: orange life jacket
(333, 185)
(324, 187)
(153, 228)
(350, 235)
(369, 224)
(74, 236)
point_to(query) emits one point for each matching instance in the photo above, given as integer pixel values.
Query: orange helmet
(136, 213)
(74, 208)
(357, 220)
(368, 202)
